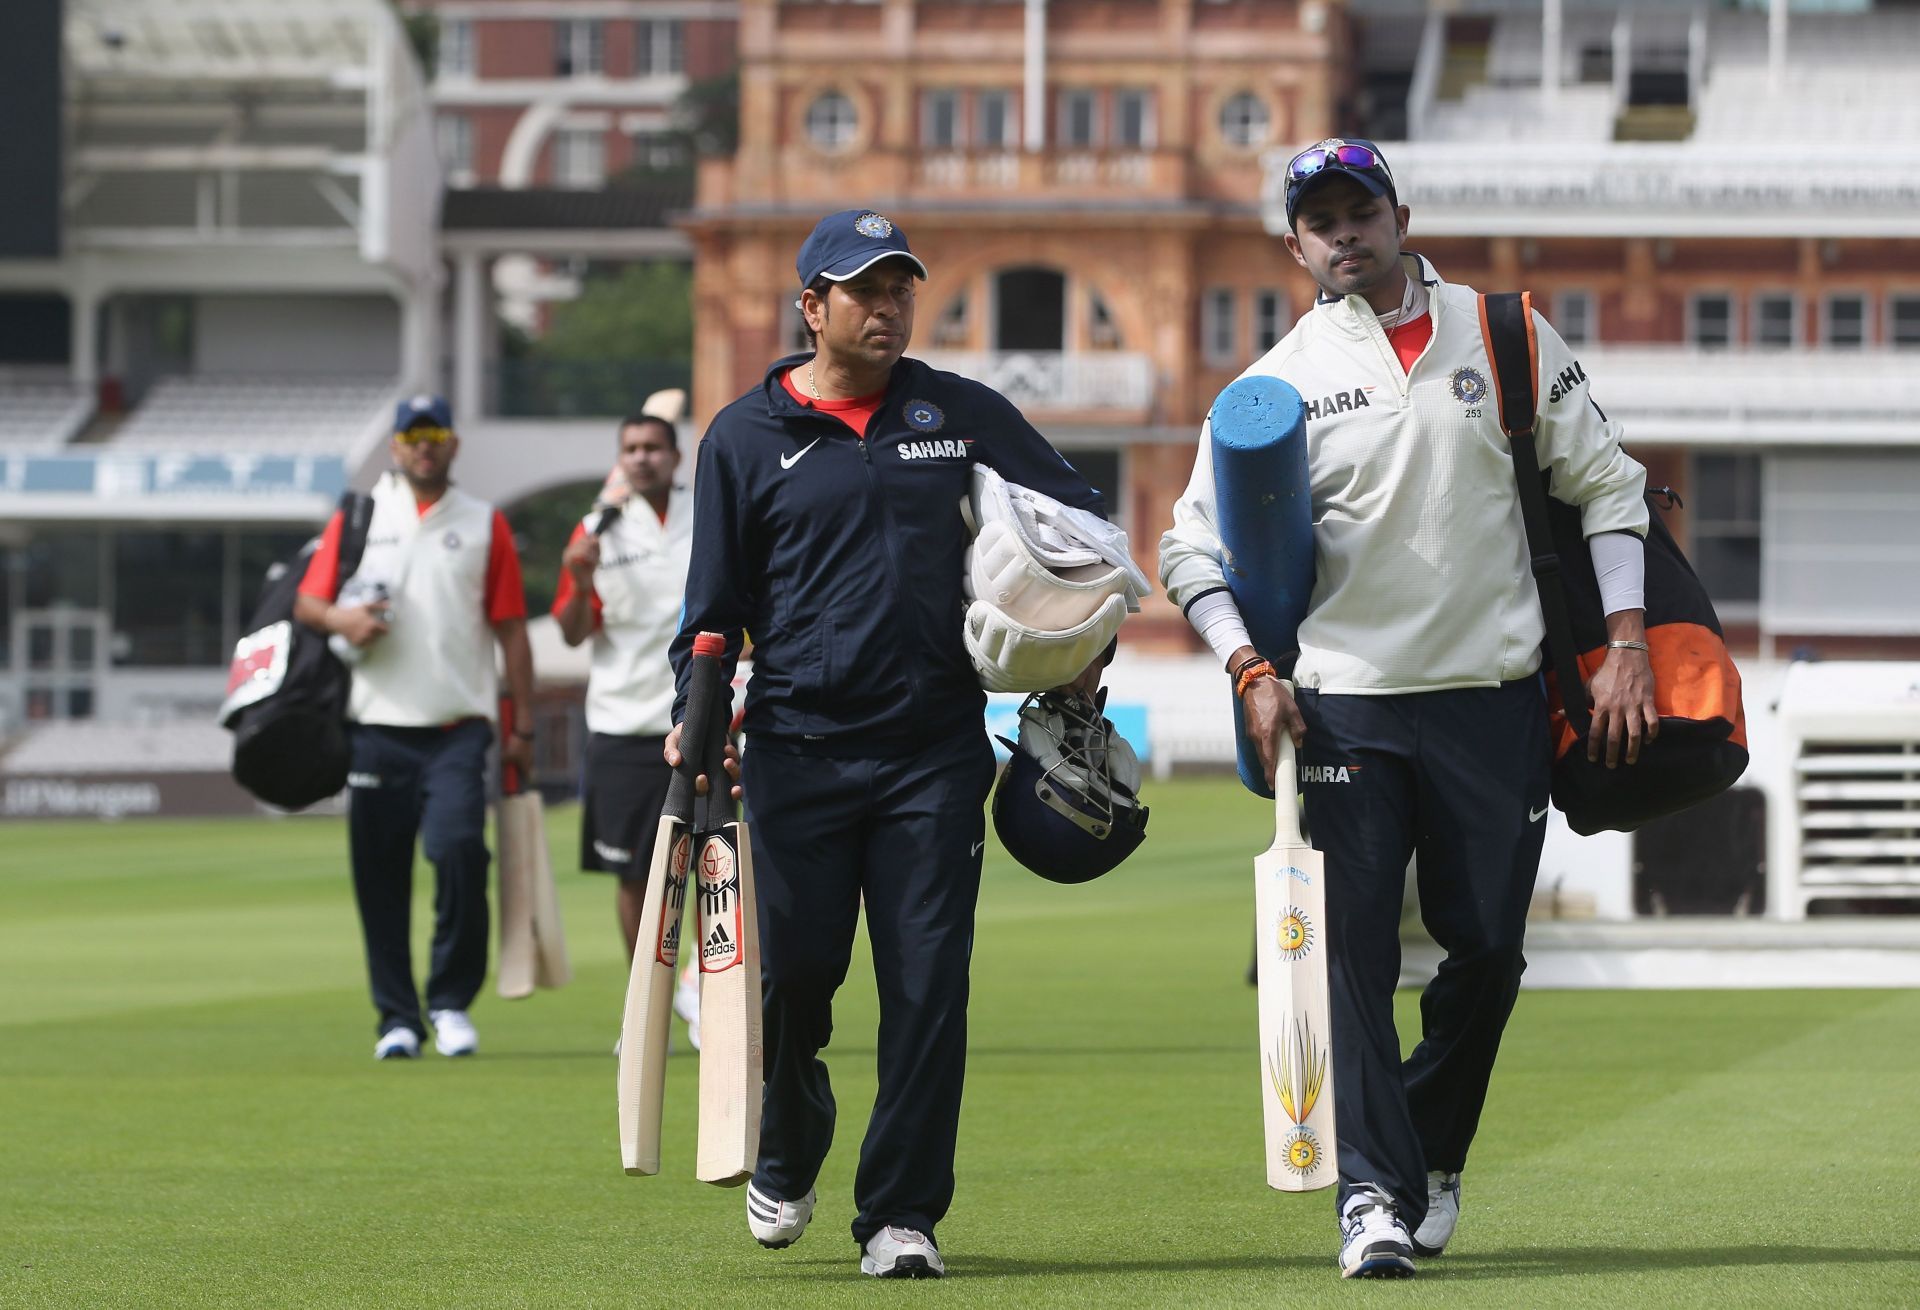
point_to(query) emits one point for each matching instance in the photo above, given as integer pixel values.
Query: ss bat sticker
(667, 951)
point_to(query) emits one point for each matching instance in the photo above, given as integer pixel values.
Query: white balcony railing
(1057, 379)
(1668, 395)
(1642, 189)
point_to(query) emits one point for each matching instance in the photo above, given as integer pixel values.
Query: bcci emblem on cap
(872, 225)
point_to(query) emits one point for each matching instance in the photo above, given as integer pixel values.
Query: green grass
(189, 1114)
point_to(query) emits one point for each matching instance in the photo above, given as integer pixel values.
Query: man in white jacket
(1419, 714)
(621, 582)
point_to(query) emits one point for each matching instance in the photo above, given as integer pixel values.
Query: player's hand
(1623, 711)
(517, 751)
(359, 624)
(700, 784)
(1268, 710)
(581, 559)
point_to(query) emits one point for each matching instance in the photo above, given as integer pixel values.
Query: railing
(1655, 189)
(1666, 394)
(587, 388)
(1057, 379)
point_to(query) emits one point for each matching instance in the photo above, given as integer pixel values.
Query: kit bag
(1702, 746)
(286, 699)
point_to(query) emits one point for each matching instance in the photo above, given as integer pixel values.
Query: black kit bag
(1702, 746)
(286, 691)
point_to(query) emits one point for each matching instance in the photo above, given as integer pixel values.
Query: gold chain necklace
(811, 384)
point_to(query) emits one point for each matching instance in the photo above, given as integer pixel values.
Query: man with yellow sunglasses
(437, 589)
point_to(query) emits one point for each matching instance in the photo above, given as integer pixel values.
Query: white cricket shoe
(454, 1033)
(1374, 1243)
(1443, 1215)
(777, 1224)
(686, 1004)
(901, 1253)
(397, 1044)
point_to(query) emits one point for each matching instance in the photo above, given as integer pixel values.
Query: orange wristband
(1250, 671)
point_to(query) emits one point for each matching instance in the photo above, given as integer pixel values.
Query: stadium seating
(304, 415)
(40, 408)
(174, 746)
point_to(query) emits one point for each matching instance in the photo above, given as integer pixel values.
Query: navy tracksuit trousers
(1460, 778)
(903, 835)
(426, 783)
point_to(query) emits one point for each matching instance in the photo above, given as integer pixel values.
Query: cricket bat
(656, 956)
(519, 826)
(551, 965)
(1296, 1064)
(730, 1040)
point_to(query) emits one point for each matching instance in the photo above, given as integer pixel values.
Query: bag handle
(1506, 328)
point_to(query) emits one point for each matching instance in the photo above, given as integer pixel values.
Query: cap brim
(851, 268)
(1367, 180)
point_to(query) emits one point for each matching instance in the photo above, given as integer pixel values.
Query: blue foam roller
(1264, 501)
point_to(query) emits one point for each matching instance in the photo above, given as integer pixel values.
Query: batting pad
(1264, 502)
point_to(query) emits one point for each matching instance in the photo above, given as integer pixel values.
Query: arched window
(832, 121)
(1244, 120)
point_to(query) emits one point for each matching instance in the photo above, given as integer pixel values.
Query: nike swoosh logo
(976, 847)
(1534, 816)
(788, 461)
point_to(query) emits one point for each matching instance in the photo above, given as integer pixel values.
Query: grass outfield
(189, 1114)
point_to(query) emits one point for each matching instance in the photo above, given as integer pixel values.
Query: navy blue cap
(1377, 179)
(422, 409)
(846, 244)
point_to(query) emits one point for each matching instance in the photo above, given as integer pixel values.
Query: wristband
(1626, 645)
(1249, 673)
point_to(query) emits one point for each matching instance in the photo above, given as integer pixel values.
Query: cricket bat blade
(1296, 1053)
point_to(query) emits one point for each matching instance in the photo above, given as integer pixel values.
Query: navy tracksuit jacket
(867, 763)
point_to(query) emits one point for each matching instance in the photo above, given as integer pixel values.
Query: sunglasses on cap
(1334, 154)
(414, 436)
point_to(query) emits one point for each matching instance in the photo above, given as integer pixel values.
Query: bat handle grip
(509, 774)
(704, 691)
(1286, 788)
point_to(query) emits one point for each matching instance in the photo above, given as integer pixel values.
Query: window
(579, 158)
(940, 120)
(1710, 321)
(579, 48)
(657, 150)
(456, 48)
(1079, 119)
(1724, 518)
(1573, 317)
(1846, 322)
(1217, 328)
(1903, 321)
(832, 121)
(1270, 319)
(1776, 317)
(455, 137)
(1102, 332)
(660, 47)
(167, 599)
(1244, 120)
(950, 329)
(993, 120)
(1133, 121)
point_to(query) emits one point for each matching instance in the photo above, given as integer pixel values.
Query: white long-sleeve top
(1421, 577)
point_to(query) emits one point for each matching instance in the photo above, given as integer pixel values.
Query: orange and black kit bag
(1702, 745)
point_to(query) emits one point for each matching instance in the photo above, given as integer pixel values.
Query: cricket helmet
(1068, 802)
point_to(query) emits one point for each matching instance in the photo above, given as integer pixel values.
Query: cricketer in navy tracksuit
(868, 763)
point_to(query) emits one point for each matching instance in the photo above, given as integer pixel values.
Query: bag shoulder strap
(356, 519)
(1506, 327)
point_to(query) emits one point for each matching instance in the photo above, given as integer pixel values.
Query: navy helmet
(1067, 805)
